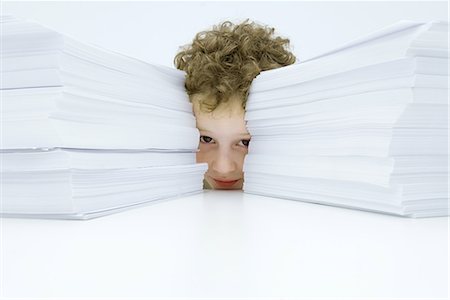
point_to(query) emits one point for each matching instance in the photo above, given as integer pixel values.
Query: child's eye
(206, 139)
(244, 143)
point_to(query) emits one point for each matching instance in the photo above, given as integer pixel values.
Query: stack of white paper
(364, 126)
(86, 131)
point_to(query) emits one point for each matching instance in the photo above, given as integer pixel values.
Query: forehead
(224, 120)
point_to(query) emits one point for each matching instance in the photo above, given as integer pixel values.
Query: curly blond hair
(221, 63)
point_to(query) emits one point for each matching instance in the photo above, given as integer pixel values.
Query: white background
(154, 31)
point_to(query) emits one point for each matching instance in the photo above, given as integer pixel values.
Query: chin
(229, 188)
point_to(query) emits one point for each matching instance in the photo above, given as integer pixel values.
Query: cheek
(204, 154)
(240, 152)
(242, 159)
(238, 157)
(200, 157)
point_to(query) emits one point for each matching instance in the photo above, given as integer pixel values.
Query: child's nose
(223, 164)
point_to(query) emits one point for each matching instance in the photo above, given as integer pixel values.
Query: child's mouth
(225, 183)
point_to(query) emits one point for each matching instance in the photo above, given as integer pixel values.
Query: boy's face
(223, 145)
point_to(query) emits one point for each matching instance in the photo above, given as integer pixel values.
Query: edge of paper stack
(364, 126)
(88, 132)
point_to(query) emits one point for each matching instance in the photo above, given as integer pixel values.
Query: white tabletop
(227, 244)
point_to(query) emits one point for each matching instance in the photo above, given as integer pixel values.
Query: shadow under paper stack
(87, 132)
(364, 126)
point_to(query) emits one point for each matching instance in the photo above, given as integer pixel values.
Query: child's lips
(225, 183)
